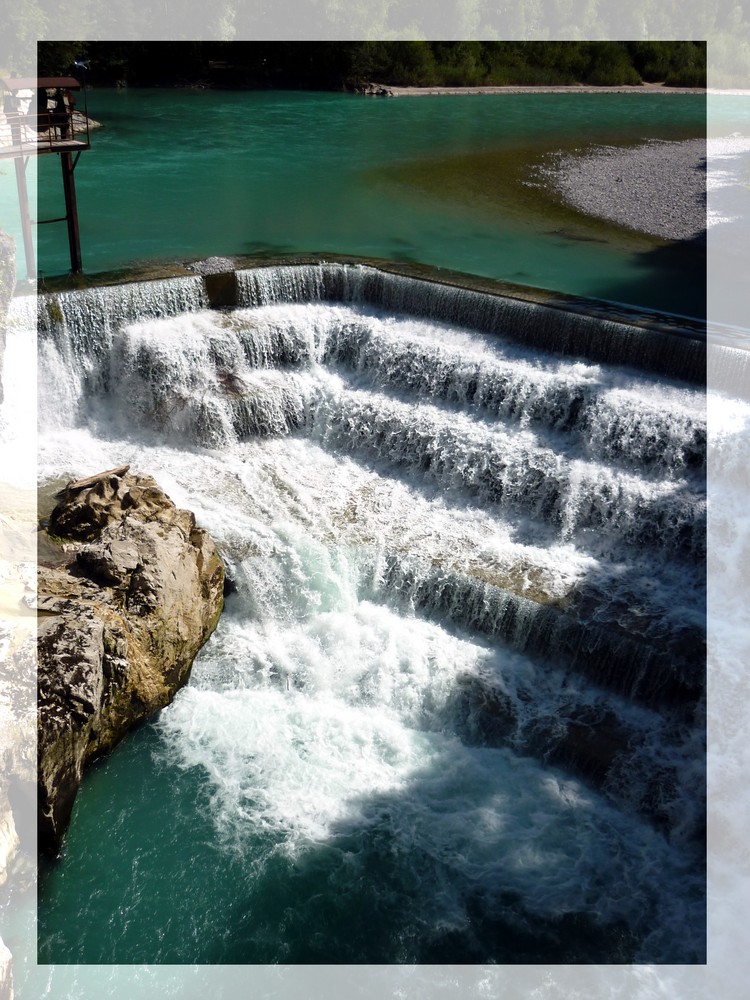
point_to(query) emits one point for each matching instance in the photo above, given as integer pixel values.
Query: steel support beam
(23, 205)
(71, 212)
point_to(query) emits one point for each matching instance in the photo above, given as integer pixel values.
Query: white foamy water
(464, 618)
(307, 770)
(18, 411)
(728, 161)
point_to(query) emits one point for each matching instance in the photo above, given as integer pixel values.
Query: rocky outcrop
(135, 590)
(83, 124)
(374, 89)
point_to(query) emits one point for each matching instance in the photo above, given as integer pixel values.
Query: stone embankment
(657, 188)
(129, 590)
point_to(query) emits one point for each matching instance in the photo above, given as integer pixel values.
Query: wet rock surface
(121, 618)
(212, 265)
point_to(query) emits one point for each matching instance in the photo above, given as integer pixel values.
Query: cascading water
(675, 349)
(453, 711)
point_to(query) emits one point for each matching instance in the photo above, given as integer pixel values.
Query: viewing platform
(39, 144)
(38, 116)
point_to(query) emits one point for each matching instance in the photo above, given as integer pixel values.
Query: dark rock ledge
(130, 591)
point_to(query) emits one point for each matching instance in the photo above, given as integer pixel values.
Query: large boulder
(131, 590)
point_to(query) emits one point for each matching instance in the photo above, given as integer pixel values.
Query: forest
(350, 65)
(724, 23)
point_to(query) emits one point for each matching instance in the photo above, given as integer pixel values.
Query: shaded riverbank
(388, 90)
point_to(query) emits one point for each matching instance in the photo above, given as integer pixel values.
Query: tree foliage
(416, 62)
(724, 22)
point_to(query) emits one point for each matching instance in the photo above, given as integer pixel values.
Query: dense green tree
(725, 22)
(22, 25)
(57, 58)
(675, 63)
(402, 61)
(611, 65)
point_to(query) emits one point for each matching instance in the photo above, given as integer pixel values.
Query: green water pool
(179, 174)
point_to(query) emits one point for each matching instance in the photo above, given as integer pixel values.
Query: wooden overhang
(40, 83)
(28, 130)
(47, 139)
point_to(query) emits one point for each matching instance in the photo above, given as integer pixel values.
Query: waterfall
(611, 423)
(513, 470)
(728, 369)
(466, 585)
(546, 447)
(676, 350)
(87, 319)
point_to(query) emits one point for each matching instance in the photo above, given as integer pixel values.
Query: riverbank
(658, 188)
(386, 90)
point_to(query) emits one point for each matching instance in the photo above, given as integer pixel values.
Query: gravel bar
(389, 90)
(657, 188)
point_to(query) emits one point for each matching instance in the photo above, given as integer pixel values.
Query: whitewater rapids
(459, 679)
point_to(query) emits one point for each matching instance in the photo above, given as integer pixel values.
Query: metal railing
(46, 132)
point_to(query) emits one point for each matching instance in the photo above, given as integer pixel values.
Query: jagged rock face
(137, 592)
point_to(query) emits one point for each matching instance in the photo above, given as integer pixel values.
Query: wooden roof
(40, 83)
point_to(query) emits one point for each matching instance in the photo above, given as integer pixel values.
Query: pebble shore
(658, 188)
(389, 90)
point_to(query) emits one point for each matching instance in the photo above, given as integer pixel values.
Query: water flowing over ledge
(562, 326)
(467, 579)
(601, 331)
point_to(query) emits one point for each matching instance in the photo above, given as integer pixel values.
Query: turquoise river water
(181, 174)
(453, 711)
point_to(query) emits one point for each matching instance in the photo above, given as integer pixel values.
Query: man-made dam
(455, 708)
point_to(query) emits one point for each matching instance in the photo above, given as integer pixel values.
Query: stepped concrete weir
(461, 522)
